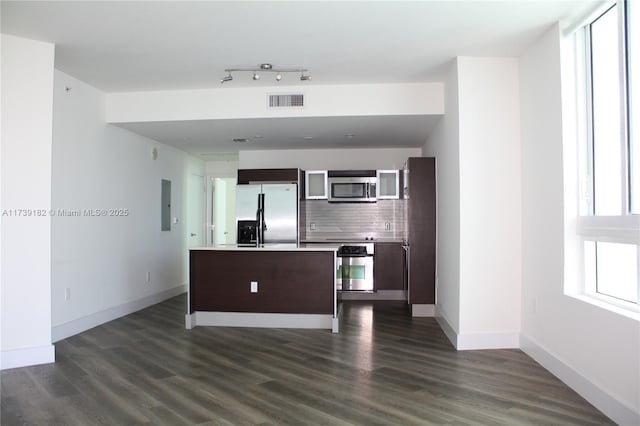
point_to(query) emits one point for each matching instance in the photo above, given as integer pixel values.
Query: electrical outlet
(254, 286)
(387, 226)
(67, 294)
(312, 226)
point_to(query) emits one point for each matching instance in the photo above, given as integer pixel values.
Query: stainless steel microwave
(350, 189)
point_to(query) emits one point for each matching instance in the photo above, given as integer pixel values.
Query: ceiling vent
(279, 101)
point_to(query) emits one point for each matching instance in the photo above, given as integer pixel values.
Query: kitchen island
(277, 285)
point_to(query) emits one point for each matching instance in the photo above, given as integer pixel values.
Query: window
(609, 219)
(633, 61)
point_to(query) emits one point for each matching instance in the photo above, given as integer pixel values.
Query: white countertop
(351, 240)
(272, 247)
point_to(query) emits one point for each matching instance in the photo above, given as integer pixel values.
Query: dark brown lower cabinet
(288, 281)
(388, 266)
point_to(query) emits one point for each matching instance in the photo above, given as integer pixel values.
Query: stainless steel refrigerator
(273, 206)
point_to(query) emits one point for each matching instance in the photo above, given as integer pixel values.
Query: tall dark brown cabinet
(421, 229)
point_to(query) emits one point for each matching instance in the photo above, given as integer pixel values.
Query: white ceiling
(207, 138)
(163, 45)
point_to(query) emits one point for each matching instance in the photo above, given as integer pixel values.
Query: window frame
(623, 228)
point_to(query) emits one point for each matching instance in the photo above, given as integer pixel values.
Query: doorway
(221, 211)
(195, 212)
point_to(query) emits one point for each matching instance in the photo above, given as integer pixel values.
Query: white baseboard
(618, 411)
(476, 341)
(79, 325)
(423, 310)
(378, 295)
(335, 321)
(189, 321)
(27, 356)
(260, 320)
(447, 329)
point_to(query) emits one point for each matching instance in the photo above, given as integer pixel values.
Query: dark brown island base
(276, 286)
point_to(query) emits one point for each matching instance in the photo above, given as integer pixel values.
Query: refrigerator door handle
(264, 224)
(260, 226)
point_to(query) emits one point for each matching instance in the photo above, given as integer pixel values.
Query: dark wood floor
(383, 368)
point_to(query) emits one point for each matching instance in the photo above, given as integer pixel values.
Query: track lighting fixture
(266, 68)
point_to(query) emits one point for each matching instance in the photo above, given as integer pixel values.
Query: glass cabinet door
(388, 184)
(316, 185)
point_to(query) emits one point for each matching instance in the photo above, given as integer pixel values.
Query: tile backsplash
(320, 219)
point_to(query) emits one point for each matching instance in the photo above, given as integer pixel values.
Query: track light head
(226, 78)
(305, 77)
(256, 76)
(278, 77)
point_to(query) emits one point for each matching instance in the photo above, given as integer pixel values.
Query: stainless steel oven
(355, 268)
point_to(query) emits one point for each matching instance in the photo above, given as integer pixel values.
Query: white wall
(27, 102)
(321, 159)
(104, 261)
(594, 350)
(251, 102)
(222, 168)
(443, 143)
(490, 207)
(477, 148)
